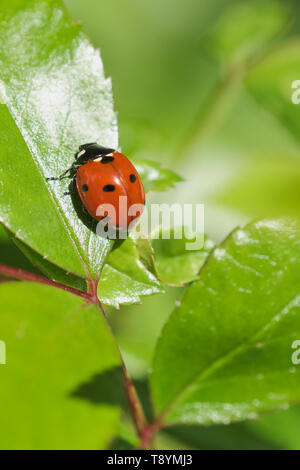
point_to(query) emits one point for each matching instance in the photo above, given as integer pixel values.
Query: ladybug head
(88, 152)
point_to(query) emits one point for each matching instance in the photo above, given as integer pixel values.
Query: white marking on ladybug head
(80, 153)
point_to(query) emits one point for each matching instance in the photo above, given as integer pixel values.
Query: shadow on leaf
(107, 388)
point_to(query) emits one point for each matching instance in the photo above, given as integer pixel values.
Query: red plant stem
(135, 406)
(144, 430)
(92, 291)
(22, 275)
(149, 432)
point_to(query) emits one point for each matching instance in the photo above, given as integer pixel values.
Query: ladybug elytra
(103, 177)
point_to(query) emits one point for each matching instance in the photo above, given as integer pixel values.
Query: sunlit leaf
(57, 98)
(176, 265)
(241, 32)
(54, 344)
(265, 186)
(226, 353)
(154, 176)
(126, 276)
(273, 82)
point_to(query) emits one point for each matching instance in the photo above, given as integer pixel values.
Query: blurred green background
(205, 87)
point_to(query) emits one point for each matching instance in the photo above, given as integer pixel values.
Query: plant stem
(213, 110)
(135, 406)
(220, 98)
(92, 286)
(22, 275)
(149, 433)
(144, 431)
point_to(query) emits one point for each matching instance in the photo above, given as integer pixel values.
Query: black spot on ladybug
(107, 159)
(132, 178)
(84, 188)
(108, 188)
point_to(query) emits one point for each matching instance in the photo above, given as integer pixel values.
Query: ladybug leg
(69, 193)
(60, 177)
(73, 188)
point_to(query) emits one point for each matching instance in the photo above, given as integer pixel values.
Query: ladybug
(101, 176)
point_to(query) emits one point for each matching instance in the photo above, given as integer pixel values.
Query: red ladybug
(102, 175)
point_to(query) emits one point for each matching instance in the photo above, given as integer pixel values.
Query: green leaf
(57, 98)
(225, 353)
(146, 254)
(127, 439)
(279, 428)
(11, 255)
(127, 276)
(154, 177)
(138, 328)
(236, 436)
(175, 264)
(54, 344)
(241, 32)
(16, 253)
(51, 270)
(271, 82)
(265, 187)
(3, 235)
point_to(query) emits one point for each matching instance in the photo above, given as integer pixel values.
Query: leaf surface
(226, 353)
(58, 98)
(54, 344)
(175, 264)
(128, 274)
(154, 176)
